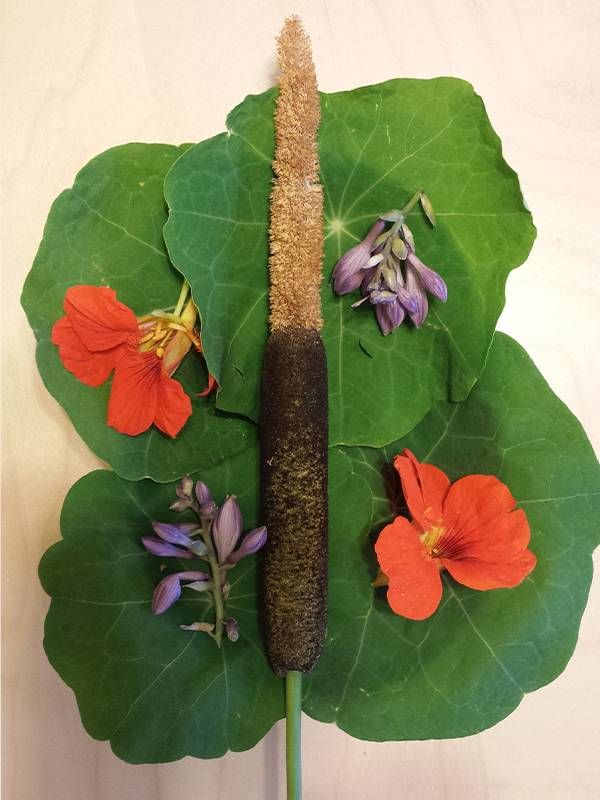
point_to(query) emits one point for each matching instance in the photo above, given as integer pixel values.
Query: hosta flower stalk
(215, 538)
(388, 272)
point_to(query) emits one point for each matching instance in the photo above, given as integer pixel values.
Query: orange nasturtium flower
(99, 334)
(472, 528)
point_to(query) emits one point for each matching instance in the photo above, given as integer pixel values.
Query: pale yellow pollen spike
(296, 229)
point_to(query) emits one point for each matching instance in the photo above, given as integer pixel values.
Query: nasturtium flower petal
(415, 586)
(91, 368)
(99, 319)
(424, 487)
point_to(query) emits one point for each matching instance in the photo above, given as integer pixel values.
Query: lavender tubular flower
(390, 316)
(160, 548)
(347, 273)
(251, 544)
(175, 533)
(168, 591)
(388, 272)
(419, 298)
(432, 282)
(226, 528)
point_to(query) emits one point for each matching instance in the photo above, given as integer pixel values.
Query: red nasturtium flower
(99, 334)
(472, 528)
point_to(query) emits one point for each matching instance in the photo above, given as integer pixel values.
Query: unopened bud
(399, 248)
(392, 216)
(231, 629)
(427, 207)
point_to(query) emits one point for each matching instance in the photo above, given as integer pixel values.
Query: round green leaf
(160, 693)
(107, 230)
(157, 692)
(383, 677)
(378, 145)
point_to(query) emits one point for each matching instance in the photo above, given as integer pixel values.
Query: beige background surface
(80, 76)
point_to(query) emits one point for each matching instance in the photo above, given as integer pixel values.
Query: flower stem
(217, 590)
(182, 297)
(293, 712)
(411, 203)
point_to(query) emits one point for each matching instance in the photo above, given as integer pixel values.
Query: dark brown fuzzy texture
(294, 480)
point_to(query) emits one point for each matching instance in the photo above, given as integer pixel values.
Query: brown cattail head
(296, 231)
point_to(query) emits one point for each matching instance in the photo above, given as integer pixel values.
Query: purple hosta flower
(174, 540)
(389, 273)
(419, 296)
(251, 543)
(226, 528)
(348, 272)
(390, 316)
(168, 591)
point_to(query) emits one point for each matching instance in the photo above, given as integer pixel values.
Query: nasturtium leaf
(107, 230)
(378, 145)
(157, 692)
(468, 666)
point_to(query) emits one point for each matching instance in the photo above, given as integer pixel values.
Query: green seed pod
(294, 485)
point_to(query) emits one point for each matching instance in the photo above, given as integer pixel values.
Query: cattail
(294, 397)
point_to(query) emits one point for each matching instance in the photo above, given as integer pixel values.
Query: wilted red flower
(472, 528)
(99, 334)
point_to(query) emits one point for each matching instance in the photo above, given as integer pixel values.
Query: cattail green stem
(293, 710)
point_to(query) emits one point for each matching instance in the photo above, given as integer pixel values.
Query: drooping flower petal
(91, 368)
(173, 407)
(158, 547)
(424, 487)
(415, 586)
(98, 318)
(251, 543)
(211, 386)
(226, 528)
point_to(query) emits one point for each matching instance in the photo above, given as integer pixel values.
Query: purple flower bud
(168, 591)
(226, 528)
(251, 544)
(419, 304)
(209, 509)
(432, 282)
(175, 533)
(409, 302)
(159, 548)
(203, 494)
(347, 273)
(231, 629)
(389, 316)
